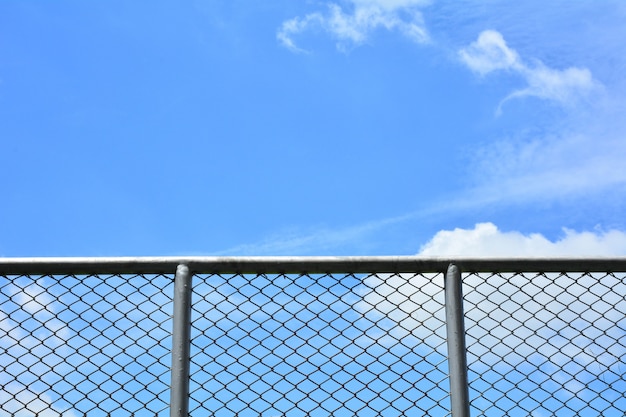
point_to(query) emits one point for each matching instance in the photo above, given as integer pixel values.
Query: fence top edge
(301, 264)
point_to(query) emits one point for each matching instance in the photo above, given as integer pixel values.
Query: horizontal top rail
(301, 264)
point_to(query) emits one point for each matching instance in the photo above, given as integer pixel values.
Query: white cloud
(578, 155)
(31, 330)
(515, 322)
(490, 53)
(12, 334)
(34, 299)
(576, 162)
(564, 86)
(581, 152)
(486, 240)
(26, 403)
(354, 27)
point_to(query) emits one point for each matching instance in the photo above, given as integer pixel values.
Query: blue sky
(282, 127)
(361, 127)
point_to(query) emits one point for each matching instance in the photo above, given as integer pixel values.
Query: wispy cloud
(490, 53)
(353, 27)
(580, 155)
(572, 166)
(314, 241)
(580, 165)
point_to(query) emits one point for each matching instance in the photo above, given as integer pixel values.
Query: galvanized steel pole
(457, 359)
(181, 333)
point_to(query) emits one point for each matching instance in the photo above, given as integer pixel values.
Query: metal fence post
(181, 333)
(455, 328)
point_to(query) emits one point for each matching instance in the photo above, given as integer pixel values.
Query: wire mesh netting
(374, 344)
(300, 345)
(546, 344)
(85, 345)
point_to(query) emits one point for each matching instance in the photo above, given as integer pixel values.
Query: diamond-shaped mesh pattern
(538, 344)
(301, 345)
(85, 345)
(546, 344)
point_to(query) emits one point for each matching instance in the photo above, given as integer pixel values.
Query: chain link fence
(547, 344)
(362, 337)
(332, 344)
(85, 345)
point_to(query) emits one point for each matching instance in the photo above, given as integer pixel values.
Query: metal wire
(297, 336)
(332, 344)
(547, 344)
(84, 345)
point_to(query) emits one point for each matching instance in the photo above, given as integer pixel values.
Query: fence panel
(336, 344)
(92, 337)
(546, 344)
(85, 345)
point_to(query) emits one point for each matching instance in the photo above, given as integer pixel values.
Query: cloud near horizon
(513, 321)
(352, 27)
(486, 240)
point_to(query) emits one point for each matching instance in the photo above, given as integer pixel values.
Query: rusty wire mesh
(546, 344)
(84, 345)
(300, 345)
